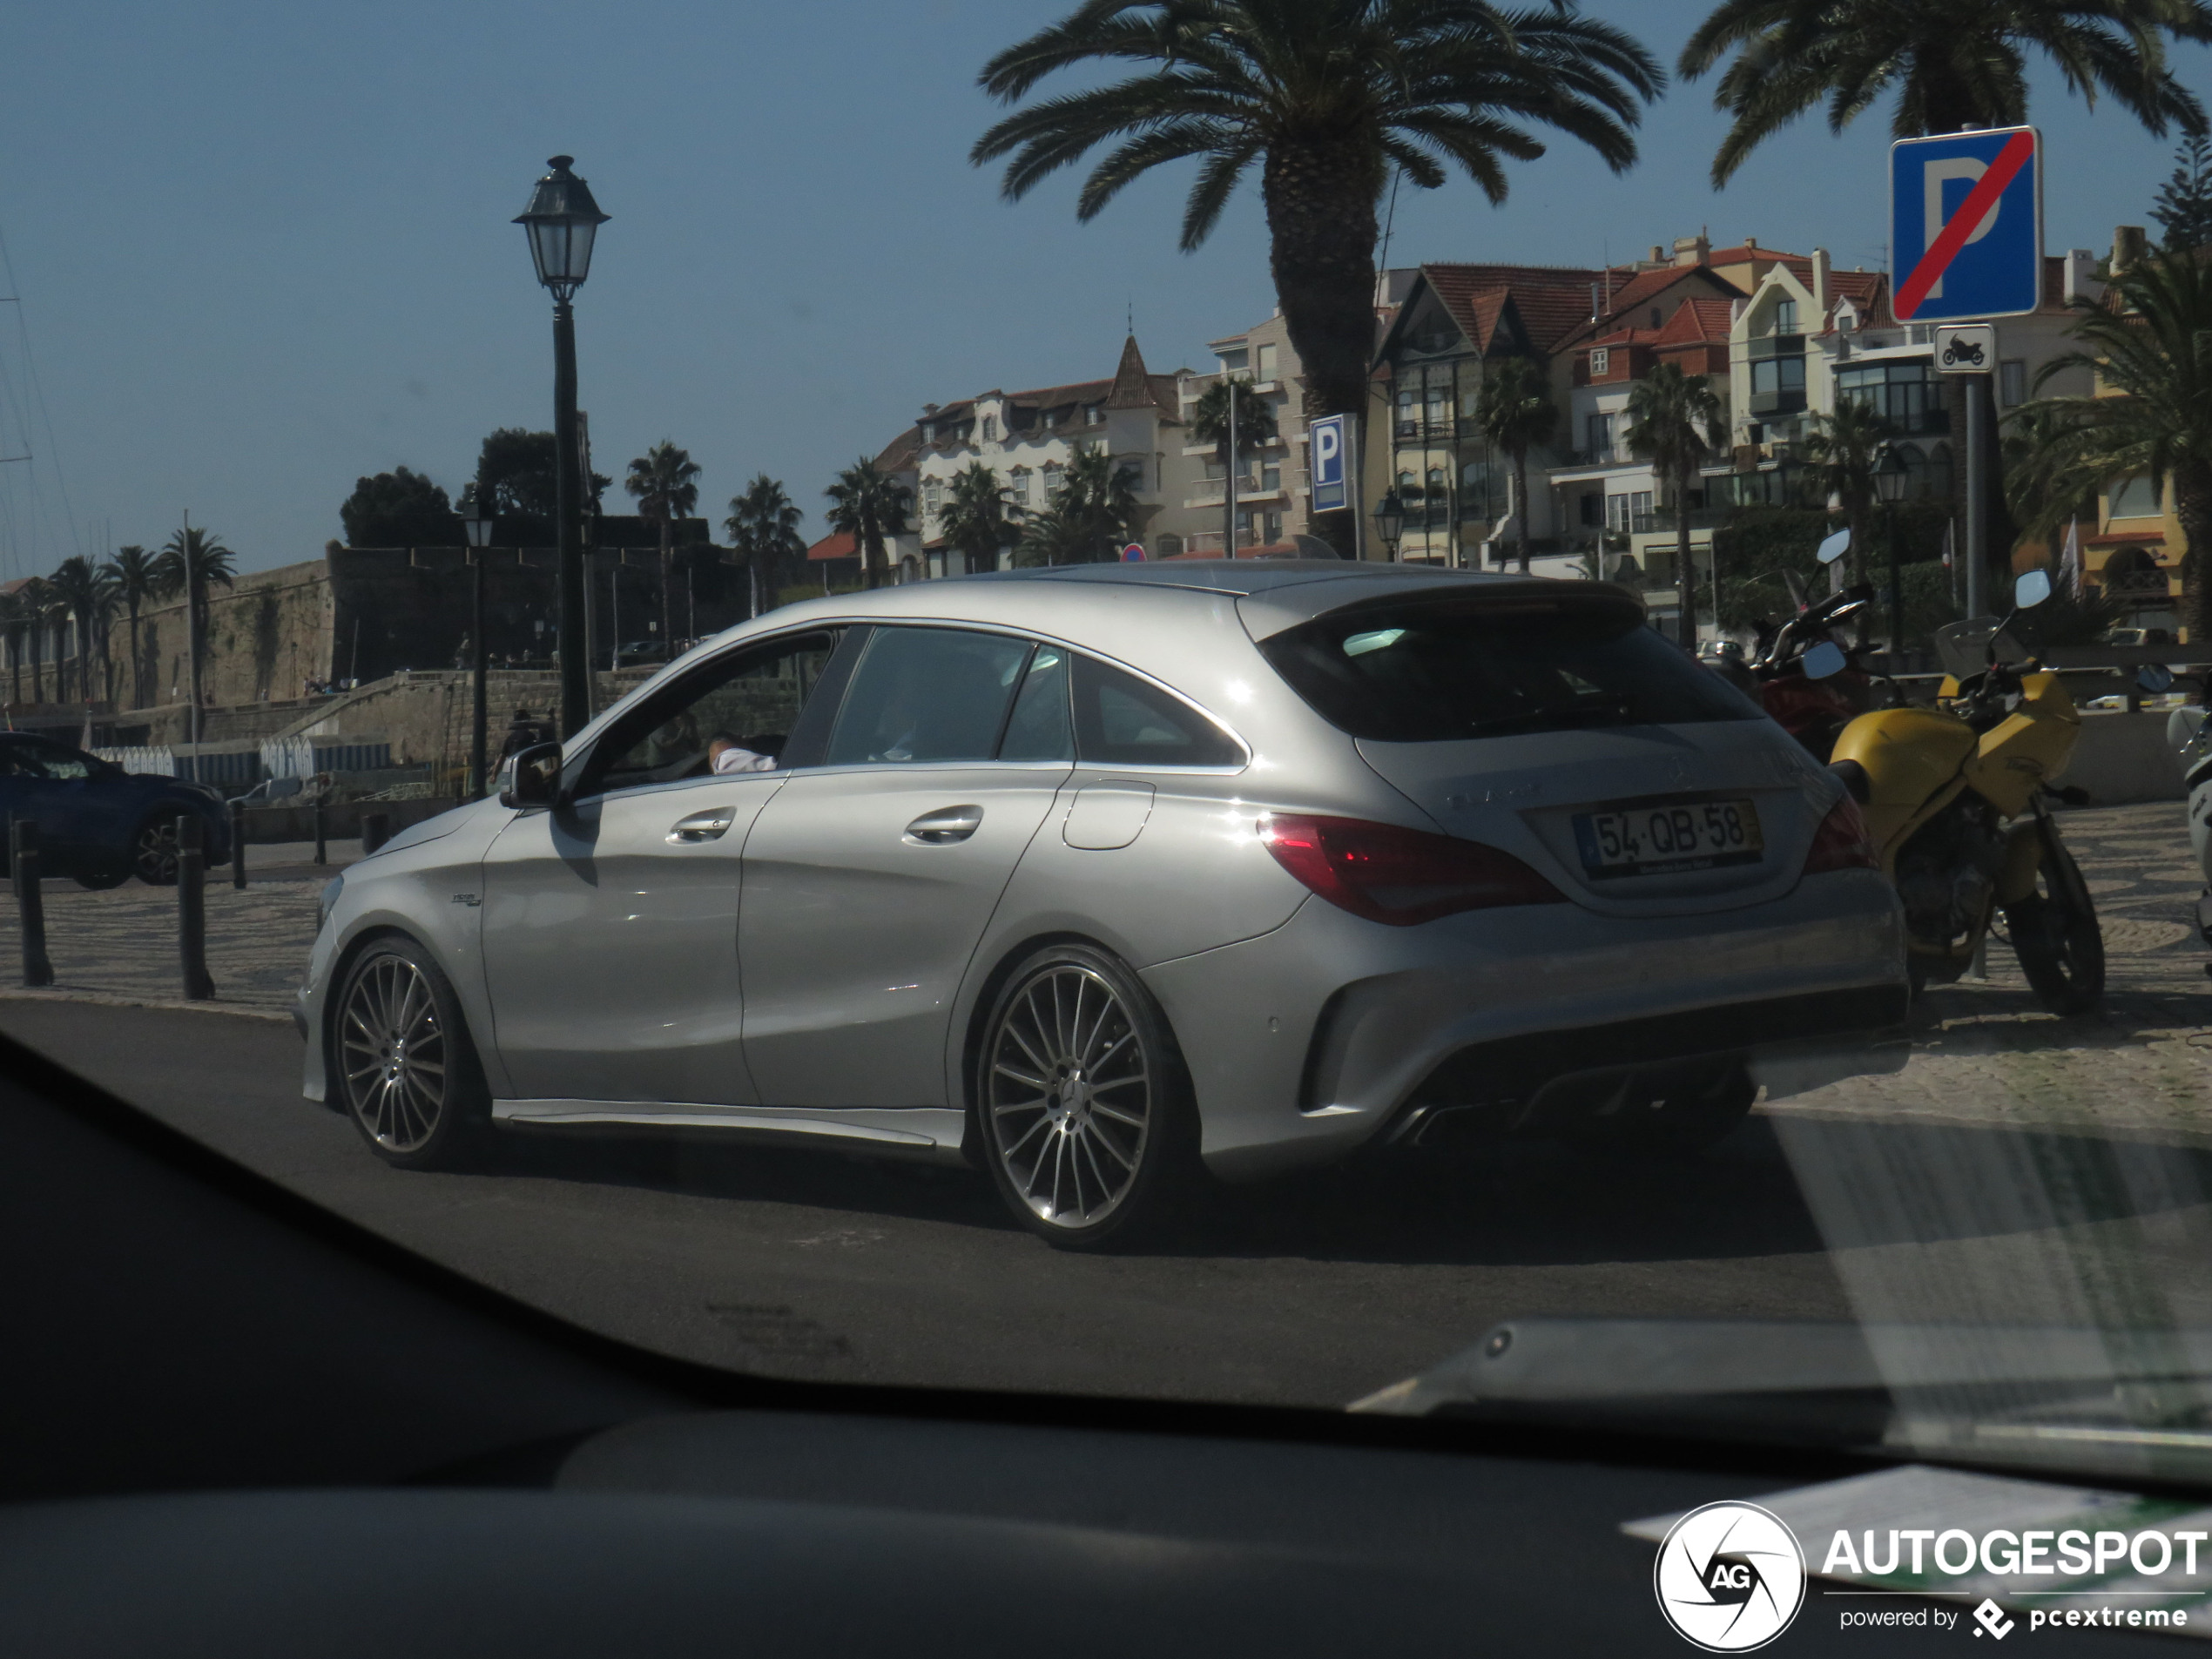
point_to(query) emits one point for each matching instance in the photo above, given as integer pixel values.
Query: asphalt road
(1311, 1291)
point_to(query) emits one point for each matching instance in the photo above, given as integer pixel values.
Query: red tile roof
(1549, 301)
(839, 544)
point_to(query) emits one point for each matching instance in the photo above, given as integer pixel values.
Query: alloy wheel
(153, 852)
(392, 1054)
(1069, 1096)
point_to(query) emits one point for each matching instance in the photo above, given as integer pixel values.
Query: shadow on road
(1504, 1204)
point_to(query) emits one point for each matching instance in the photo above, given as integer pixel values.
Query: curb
(115, 1000)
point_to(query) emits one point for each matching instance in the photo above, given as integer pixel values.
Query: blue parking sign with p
(1966, 224)
(1326, 439)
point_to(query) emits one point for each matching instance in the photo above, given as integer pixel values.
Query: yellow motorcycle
(1956, 798)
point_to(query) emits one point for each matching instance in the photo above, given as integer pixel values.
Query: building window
(2012, 382)
(990, 428)
(1593, 511)
(1270, 475)
(1133, 469)
(1630, 512)
(1600, 437)
(1273, 520)
(1267, 362)
(1409, 488)
(933, 499)
(1777, 374)
(1601, 361)
(1905, 394)
(929, 432)
(2132, 498)
(1786, 317)
(1409, 420)
(1094, 414)
(1053, 471)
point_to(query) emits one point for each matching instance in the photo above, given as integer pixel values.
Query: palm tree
(1327, 97)
(41, 611)
(978, 519)
(1254, 427)
(86, 595)
(871, 507)
(1098, 497)
(763, 527)
(665, 480)
(132, 569)
(1054, 536)
(13, 621)
(1675, 422)
(1951, 63)
(1516, 413)
(1845, 450)
(191, 563)
(2147, 340)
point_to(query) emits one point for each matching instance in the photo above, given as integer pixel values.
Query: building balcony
(1250, 493)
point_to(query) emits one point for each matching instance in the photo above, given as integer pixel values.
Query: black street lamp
(1390, 523)
(562, 220)
(479, 525)
(1889, 474)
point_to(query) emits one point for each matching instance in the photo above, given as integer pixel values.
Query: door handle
(702, 826)
(944, 826)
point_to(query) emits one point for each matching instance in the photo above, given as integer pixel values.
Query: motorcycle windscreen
(1568, 733)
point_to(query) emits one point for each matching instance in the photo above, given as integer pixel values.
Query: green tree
(1515, 412)
(136, 582)
(41, 612)
(398, 508)
(1844, 450)
(2149, 341)
(871, 507)
(1675, 423)
(978, 519)
(1255, 428)
(763, 526)
(14, 619)
(515, 478)
(1950, 62)
(666, 482)
(86, 595)
(191, 563)
(2183, 209)
(1326, 97)
(1097, 505)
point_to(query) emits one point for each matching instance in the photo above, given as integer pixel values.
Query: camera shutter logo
(1729, 1577)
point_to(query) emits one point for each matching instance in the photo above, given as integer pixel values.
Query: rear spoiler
(1265, 615)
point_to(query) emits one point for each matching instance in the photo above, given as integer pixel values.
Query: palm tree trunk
(2193, 507)
(1520, 501)
(1320, 198)
(667, 575)
(1685, 576)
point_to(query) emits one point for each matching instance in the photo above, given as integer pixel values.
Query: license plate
(1668, 841)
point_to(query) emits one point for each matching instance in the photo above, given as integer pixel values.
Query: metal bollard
(376, 829)
(30, 903)
(191, 909)
(322, 835)
(238, 845)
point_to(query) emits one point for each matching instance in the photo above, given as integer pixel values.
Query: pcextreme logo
(1729, 1577)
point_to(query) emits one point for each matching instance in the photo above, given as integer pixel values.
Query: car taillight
(1399, 876)
(1842, 843)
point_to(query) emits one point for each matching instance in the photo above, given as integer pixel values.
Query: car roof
(1241, 577)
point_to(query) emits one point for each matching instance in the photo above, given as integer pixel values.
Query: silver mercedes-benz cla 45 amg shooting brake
(1095, 876)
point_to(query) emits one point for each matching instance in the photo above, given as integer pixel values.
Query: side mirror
(535, 782)
(1823, 660)
(2154, 677)
(2031, 590)
(1835, 546)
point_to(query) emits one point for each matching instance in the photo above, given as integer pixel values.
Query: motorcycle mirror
(1823, 660)
(1835, 546)
(2154, 677)
(2031, 590)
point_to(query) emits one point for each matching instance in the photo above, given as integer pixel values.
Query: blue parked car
(97, 822)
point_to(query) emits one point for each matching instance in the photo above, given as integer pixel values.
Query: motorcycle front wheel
(2055, 933)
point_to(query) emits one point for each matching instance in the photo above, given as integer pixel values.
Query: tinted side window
(750, 698)
(922, 694)
(1120, 721)
(1039, 729)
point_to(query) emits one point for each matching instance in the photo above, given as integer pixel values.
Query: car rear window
(1433, 673)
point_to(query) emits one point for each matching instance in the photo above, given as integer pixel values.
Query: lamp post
(1390, 523)
(562, 220)
(479, 524)
(1889, 474)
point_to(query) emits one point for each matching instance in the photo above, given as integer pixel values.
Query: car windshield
(1437, 671)
(609, 669)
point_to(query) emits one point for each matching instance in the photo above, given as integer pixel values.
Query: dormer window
(990, 428)
(1094, 414)
(1601, 361)
(929, 432)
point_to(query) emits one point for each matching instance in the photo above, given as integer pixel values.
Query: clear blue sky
(264, 248)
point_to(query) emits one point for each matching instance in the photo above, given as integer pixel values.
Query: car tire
(401, 1062)
(101, 880)
(1081, 1107)
(153, 849)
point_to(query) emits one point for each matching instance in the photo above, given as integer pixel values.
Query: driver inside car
(724, 754)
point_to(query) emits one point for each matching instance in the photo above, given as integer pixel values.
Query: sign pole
(1976, 388)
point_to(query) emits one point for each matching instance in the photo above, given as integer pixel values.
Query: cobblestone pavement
(1988, 1052)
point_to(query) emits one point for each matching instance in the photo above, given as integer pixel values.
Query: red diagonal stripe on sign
(1980, 200)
